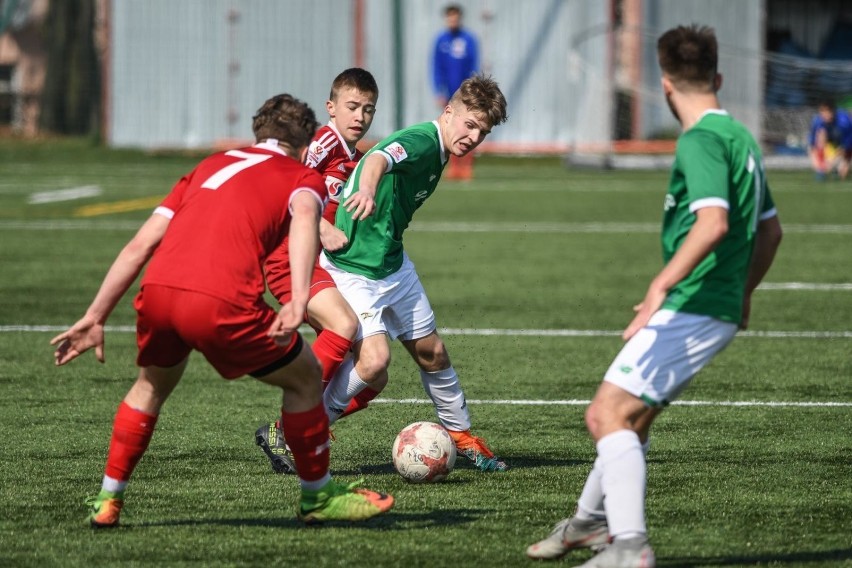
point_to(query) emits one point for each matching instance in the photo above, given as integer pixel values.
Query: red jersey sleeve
(171, 203)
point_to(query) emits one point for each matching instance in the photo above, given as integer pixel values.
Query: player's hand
(333, 239)
(286, 323)
(78, 339)
(361, 205)
(654, 298)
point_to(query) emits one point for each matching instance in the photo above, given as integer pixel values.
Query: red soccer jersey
(227, 216)
(330, 156)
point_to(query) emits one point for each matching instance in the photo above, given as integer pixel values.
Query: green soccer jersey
(717, 163)
(416, 158)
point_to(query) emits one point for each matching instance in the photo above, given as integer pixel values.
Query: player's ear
(448, 113)
(303, 154)
(329, 106)
(667, 85)
(717, 82)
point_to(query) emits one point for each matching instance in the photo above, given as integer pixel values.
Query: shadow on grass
(819, 558)
(462, 463)
(531, 462)
(391, 521)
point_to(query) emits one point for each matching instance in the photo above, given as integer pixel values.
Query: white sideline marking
(426, 226)
(810, 286)
(608, 333)
(485, 332)
(70, 225)
(64, 194)
(613, 228)
(576, 402)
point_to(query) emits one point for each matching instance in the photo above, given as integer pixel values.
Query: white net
(794, 87)
(774, 95)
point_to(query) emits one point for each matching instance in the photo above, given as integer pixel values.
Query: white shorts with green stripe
(396, 305)
(659, 361)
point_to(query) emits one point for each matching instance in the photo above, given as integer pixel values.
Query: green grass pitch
(756, 471)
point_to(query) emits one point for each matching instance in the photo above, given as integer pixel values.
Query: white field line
(64, 194)
(577, 402)
(486, 332)
(426, 226)
(809, 286)
(540, 332)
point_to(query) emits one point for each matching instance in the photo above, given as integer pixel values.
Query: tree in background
(71, 96)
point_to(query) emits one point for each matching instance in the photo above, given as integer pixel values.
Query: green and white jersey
(415, 158)
(717, 163)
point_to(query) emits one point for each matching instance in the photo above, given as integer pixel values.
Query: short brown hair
(356, 78)
(286, 119)
(689, 56)
(481, 95)
(453, 9)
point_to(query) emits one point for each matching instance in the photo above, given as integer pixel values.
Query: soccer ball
(423, 452)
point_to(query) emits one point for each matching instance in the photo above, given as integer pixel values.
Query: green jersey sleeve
(705, 163)
(411, 152)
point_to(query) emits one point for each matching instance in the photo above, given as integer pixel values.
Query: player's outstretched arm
(88, 332)
(362, 203)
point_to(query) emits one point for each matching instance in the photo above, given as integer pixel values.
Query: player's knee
(600, 419)
(346, 325)
(373, 364)
(432, 356)
(591, 420)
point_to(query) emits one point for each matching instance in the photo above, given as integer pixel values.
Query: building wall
(739, 31)
(183, 74)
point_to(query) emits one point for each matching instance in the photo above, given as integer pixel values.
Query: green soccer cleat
(105, 509)
(342, 503)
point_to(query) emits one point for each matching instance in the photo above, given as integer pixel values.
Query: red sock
(131, 432)
(307, 436)
(360, 401)
(330, 350)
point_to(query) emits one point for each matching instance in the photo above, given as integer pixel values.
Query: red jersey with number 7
(227, 216)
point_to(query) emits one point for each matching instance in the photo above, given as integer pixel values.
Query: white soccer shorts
(396, 305)
(659, 361)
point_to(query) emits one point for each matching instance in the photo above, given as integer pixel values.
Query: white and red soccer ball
(424, 452)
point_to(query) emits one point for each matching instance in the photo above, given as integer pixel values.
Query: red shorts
(278, 280)
(171, 322)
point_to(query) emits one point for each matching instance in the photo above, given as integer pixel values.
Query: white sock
(445, 391)
(342, 388)
(113, 485)
(622, 465)
(591, 503)
(315, 485)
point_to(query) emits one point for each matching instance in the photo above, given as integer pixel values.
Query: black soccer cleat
(271, 440)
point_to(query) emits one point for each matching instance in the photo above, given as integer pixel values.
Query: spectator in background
(830, 141)
(454, 59)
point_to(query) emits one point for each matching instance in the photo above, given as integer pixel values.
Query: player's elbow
(139, 250)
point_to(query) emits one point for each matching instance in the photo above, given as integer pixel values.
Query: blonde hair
(481, 94)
